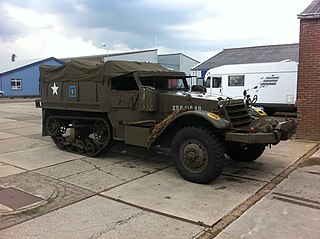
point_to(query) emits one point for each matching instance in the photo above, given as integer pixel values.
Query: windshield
(216, 82)
(166, 84)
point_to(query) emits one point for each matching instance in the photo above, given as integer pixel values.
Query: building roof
(12, 66)
(312, 11)
(101, 56)
(257, 54)
(175, 54)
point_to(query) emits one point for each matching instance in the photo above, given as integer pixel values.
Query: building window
(236, 80)
(16, 84)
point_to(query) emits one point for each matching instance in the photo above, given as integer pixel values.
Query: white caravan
(274, 83)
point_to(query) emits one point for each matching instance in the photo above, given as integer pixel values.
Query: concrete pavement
(291, 210)
(131, 192)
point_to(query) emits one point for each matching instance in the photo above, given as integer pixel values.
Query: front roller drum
(198, 154)
(244, 152)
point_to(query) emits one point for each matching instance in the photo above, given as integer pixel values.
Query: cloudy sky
(200, 28)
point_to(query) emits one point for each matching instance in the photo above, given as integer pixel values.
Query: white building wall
(186, 64)
(148, 56)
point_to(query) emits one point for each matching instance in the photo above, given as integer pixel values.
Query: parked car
(1, 93)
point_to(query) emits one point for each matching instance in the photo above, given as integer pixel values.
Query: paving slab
(54, 194)
(37, 157)
(277, 220)
(312, 165)
(39, 136)
(291, 210)
(165, 191)
(292, 148)
(21, 143)
(6, 170)
(19, 116)
(271, 163)
(146, 162)
(98, 217)
(99, 174)
(4, 135)
(14, 125)
(303, 185)
(2, 120)
(37, 120)
(96, 180)
(66, 169)
(154, 153)
(24, 131)
(24, 108)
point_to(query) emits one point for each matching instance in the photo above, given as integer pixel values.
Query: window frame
(215, 80)
(237, 77)
(16, 86)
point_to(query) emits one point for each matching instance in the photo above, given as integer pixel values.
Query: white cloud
(29, 18)
(217, 24)
(272, 21)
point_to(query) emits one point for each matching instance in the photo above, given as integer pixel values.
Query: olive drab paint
(88, 105)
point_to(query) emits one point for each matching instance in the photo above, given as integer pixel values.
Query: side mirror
(244, 93)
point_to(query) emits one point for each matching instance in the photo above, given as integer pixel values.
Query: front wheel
(197, 154)
(245, 152)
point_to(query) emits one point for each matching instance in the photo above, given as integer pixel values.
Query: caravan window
(216, 82)
(236, 80)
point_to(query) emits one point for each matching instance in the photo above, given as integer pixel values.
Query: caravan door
(214, 85)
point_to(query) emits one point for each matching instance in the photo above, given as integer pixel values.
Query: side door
(124, 97)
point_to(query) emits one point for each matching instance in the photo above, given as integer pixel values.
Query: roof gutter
(309, 16)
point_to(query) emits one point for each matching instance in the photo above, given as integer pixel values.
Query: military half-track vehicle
(87, 106)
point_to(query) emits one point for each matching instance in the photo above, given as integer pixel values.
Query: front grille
(238, 113)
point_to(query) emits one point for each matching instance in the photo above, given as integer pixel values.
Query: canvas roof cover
(80, 70)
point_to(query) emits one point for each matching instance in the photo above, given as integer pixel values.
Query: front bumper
(282, 131)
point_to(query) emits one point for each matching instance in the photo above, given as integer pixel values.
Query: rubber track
(82, 119)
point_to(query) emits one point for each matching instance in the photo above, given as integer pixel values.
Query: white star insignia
(54, 89)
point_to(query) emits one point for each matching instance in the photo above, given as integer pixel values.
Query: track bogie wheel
(89, 147)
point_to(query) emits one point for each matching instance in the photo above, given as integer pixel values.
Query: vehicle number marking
(177, 107)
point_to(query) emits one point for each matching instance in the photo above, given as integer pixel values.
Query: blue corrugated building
(21, 78)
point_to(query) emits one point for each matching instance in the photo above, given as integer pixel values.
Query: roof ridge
(253, 54)
(260, 46)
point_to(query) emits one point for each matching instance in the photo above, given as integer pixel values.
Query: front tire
(198, 154)
(245, 152)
